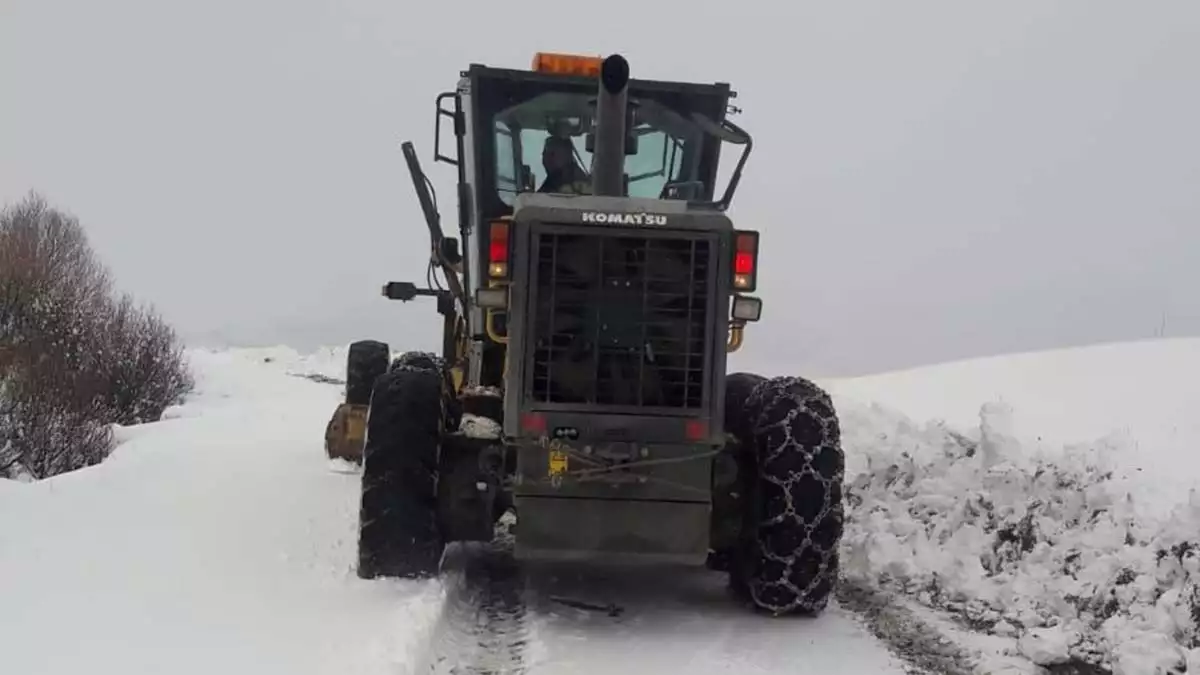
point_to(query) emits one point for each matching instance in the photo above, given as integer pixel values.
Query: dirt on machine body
(589, 298)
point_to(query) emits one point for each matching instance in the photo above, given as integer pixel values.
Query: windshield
(541, 146)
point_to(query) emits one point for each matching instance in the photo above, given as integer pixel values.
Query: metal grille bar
(620, 319)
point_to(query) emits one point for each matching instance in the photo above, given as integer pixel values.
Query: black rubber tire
(422, 360)
(793, 468)
(398, 533)
(365, 361)
(726, 513)
(433, 362)
(738, 387)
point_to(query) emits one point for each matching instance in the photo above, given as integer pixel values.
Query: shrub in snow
(1051, 550)
(141, 365)
(74, 359)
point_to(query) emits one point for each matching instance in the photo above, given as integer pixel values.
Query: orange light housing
(498, 249)
(745, 260)
(567, 64)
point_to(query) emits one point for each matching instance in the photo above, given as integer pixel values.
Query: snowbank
(217, 540)
(1140, 394)
(1071, 550)
(10, 489)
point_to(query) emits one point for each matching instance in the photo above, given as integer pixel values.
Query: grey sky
(933, 179)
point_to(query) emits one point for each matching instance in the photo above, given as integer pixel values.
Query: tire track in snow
(922, 646)
(483, 629)
(682, 620)
(496, 609)
(942, 646)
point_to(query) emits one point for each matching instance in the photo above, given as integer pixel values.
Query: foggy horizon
(932, 181)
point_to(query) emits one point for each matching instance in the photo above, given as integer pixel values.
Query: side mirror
(450, 250)
(400, 290)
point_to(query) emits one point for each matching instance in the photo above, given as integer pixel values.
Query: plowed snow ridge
(1084, 552)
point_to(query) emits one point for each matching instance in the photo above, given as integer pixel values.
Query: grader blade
(345, 433)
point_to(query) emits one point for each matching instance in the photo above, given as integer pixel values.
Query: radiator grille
(620, 320)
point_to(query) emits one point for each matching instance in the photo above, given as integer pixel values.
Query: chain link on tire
(792, 467)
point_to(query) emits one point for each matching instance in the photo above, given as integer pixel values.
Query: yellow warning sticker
(558, 462)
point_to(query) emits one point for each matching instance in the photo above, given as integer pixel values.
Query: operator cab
(523, 124)
(533, 131)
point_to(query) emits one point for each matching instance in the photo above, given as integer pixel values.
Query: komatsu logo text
(624, 218)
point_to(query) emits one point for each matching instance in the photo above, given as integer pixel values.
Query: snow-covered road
(214, 542)
(561, 619)
(687, 623)
(220, 540)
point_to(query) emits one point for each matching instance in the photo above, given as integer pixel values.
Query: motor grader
(582, 382)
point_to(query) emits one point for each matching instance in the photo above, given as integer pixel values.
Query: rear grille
(620, 320)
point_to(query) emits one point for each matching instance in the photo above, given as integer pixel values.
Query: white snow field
(216, 541)
(1048, 520)
(221, 540)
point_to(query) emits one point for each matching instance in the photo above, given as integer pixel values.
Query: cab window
(522, 131)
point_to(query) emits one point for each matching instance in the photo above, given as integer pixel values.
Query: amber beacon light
(567, 64)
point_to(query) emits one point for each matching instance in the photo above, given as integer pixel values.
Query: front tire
(430, 361)
(398, 526)
(792, 466)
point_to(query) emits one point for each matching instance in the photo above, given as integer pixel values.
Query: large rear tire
(792, 467)
(366, 360)
(398, 523)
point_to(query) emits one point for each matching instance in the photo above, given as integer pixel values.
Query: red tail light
(533, 422)
(498, 249)
(745, 260)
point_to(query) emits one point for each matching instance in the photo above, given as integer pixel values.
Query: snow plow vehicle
(587, 317)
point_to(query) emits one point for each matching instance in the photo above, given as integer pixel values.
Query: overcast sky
(933, 180)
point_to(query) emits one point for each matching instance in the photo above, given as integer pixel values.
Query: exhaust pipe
(608, 154)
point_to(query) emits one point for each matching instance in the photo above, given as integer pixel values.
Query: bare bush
(49, 277)
(49, 436)
(151, 374)
(73, 358)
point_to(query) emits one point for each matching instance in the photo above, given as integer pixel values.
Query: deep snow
(1085, 550)
(1040, 500)
(1139, 396)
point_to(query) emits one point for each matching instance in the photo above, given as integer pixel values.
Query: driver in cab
(563, 173)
